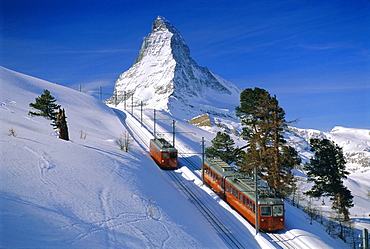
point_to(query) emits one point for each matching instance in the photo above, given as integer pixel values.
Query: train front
(163, 153)
(169, 158)
(271, 214)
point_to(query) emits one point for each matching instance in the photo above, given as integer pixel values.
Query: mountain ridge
(164, 76)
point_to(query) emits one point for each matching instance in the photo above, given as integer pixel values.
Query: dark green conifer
(263, 123)
(326, 170)
(46, 106)
(48, 109)
(222, 147)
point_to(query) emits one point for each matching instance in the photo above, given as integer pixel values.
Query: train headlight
(281, 219)
(162, 161)
(263, 220)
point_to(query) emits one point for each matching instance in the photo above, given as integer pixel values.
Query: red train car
(163, 153)
(239, 192)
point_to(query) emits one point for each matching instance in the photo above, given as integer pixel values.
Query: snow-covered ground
(87, 193)
(84, 193)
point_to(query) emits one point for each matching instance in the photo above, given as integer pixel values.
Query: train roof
(242, 183)
(163, 145)
(247, 186)
(222, 168)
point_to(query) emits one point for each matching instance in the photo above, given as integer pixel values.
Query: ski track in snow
(44, 161)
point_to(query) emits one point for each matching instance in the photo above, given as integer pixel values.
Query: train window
(164, 155)
(278, 210)
(173, 155)
(246, 201)
(265, 210)
(234, 192)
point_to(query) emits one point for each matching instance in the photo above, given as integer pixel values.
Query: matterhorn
(165, 77)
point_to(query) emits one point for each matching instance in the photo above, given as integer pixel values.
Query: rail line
(183, 185)
(142, 134)
(225, 234)
(281, 241)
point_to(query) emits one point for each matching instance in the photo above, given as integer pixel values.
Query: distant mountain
(164, 76)
(355, 144)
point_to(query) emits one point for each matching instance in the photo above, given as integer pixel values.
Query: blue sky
(313, 55)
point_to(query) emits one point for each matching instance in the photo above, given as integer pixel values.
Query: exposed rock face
(164, 76)
(202, 120)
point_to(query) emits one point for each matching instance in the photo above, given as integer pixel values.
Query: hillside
(83, 193)
(86, 193)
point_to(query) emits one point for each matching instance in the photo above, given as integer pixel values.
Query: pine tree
(222, 147)
(264, 123)
(327, 171)
(46, 106)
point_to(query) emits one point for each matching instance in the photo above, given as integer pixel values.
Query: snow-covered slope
(83, 193)
(164, 76)
(355, 144)
(356, 149)
(86, 193)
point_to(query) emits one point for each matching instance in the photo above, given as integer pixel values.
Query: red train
(239, 192)
(163, 153)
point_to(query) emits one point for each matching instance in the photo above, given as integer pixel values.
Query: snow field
(86, 193)
(83, 193)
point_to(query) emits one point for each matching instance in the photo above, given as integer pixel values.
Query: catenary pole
(202, 159)
(173, 133)
(154, 124)
(256, 192)
(124, 98)
(141, 113)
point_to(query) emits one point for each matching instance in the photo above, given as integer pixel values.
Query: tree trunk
(61, 121)
(276, 163)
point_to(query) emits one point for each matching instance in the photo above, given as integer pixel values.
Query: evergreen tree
(222, 147)
(327, 171)
(264, 123)
(46, 106)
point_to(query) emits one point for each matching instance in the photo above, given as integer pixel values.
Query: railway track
(223, 231)
(142, 134)
(281, 241)
(184, 186)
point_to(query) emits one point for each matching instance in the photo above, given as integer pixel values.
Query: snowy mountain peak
(162, 24)
(164, 76)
